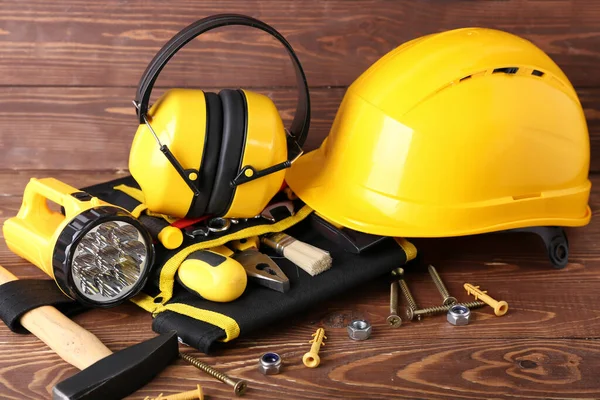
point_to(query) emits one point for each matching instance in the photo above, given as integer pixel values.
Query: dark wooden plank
(545, 347)
(13, 182)
(92, 128)
(98, 43)
(375, 369)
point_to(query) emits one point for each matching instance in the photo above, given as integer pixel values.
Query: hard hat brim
(365, 210)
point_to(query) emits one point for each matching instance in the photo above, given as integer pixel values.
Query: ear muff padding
(235, 122)
(210, 155)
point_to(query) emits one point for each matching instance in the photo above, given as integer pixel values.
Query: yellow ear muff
(265, 146)
(179, 120)
(225, 155)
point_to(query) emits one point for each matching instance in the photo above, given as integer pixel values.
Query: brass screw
(239, 385)
(394, 320)
(398, 273)
(190, 395)
(425, 312)
(439, 284)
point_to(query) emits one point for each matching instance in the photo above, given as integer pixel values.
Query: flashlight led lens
(124, 233)
(105, 229)
(134, 249)
(109, 261)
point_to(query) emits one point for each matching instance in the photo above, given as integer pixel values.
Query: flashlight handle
(70, 341)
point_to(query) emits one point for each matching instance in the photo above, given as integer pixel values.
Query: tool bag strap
(23, 295)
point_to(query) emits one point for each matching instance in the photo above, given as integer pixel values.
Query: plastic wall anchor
(500, 307)
(311, 359)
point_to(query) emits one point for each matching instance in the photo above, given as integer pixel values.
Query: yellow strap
(167, 218)
(138, 195)
(146, 302)
(139, 210)
(132, 192)
(409, 249)
(167, 274)
(231, 328)
(228, 324)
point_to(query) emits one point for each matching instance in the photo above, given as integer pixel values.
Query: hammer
(103, 375)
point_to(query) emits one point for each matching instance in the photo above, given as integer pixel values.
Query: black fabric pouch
(202, 324)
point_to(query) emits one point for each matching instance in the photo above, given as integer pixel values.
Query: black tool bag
(201, 323)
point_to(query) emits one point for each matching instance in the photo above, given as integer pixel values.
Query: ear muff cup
(210, 156)
(235, 122)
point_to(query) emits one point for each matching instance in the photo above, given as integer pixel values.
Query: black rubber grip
(154, 225)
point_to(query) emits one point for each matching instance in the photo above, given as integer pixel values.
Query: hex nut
(359, 329)
(269, 363)
(458, 315)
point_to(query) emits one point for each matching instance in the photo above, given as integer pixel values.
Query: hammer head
(121, 373)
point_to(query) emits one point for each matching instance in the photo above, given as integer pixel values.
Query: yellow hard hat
(462, 132)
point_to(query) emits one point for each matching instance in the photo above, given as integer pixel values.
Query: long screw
(239, 385)
(394, 320)
(426, 312)
(439, 284)
(190, 395)
(398, 273)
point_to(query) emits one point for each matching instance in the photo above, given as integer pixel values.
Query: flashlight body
(52, 239)
(32, 234)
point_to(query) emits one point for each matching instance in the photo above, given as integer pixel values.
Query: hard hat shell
(462, 132)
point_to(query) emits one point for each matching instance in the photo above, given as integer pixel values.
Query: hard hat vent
(506, 70)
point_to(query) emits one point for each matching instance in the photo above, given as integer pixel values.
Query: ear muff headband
(300, 124)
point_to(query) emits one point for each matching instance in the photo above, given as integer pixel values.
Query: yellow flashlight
(98, 254)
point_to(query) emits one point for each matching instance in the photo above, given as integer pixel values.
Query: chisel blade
(263, 270)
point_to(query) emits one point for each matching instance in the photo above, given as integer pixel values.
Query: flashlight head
(102, 257)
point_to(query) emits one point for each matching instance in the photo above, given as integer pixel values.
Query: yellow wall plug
(312, 359)
(500, 307)
(191, 395)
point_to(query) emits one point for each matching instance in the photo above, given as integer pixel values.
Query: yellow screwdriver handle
(213, 275)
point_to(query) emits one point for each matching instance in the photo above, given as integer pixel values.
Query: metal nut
(458, 315)
(269, 363)
(359, 329)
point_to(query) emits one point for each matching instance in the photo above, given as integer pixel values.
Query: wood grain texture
(375, 369)
(92, 128)
(68, 71)
(545, 347)
(110, 42)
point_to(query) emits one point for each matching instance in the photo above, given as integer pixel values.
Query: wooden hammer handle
(70, 341)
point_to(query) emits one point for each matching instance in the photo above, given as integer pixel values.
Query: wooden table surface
(68, 71)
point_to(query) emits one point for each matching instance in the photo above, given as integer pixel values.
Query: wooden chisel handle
(70, 341)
